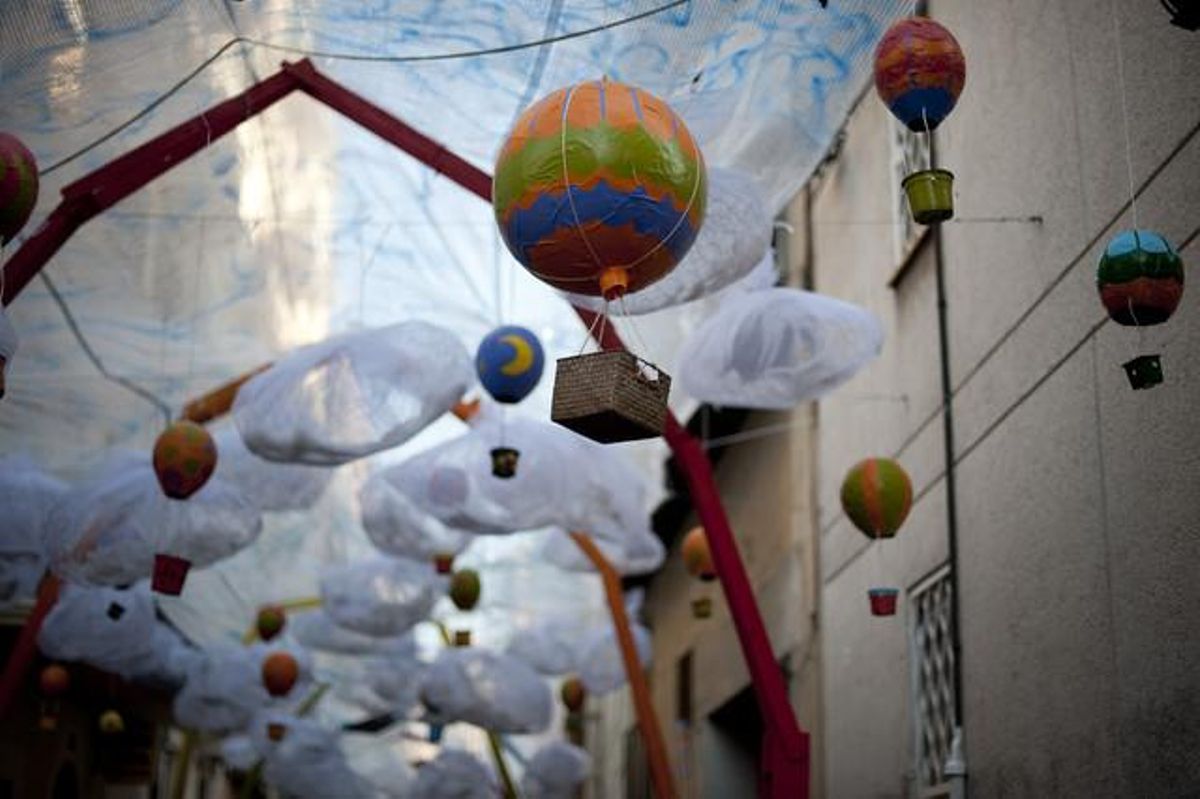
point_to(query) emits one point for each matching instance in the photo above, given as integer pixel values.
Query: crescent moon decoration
(522, 360)
(509, 363)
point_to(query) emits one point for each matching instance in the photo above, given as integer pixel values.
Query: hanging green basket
(930, 195)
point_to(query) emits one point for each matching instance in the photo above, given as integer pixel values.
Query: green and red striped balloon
(877, 496)
(18, 185)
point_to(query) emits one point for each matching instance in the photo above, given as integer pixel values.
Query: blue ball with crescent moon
(510, 362)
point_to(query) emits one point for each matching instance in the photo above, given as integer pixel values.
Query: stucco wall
(1077, 497)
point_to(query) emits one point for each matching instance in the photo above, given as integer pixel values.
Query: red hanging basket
(883, 601)
(170, 573)
(443, 563)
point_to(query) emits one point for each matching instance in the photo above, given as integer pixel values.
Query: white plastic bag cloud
(379, 596)
(114, 630)
(487, 689)
(552, 646)
(8, 345)
(108, 532)
(736, 233)
(316, 630)
(454, 774)
(223, 691)
(270, 486)
(27, 496)
(555, 772)
(308, 763)
(776, 348)
(601, 667)
(638, 552)
(563, 480)
(355, 394)
(396, 524)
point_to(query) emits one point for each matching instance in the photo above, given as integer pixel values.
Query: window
(910, 152)
(637, 767)
(932, 658)
(683, 687)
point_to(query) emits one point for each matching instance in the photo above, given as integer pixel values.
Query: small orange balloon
(54, 680)
(184, 458)
(697, 558)
(573, 693)
(279, 673)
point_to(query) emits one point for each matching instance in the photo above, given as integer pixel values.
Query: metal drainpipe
(955, 767)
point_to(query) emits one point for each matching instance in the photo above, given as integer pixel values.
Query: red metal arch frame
(785, 767)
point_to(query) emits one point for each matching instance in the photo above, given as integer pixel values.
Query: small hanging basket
(276, 730)
(930, 195)
(883, 601)
(1144, 371)
(504, 462)
(443, 563)
(170, 573)
(435, 733)
(462, 637)
(610, 396)
(702, 607)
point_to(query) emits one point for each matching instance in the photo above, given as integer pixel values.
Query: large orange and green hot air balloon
(599, 189)
(877, 496)
(18, 185)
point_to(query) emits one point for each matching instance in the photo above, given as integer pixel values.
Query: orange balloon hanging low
(185, 456)
(697, 558)
(573, 694)
(279, 673)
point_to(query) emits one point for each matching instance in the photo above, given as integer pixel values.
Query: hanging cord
(1125, 113)
(145, 394)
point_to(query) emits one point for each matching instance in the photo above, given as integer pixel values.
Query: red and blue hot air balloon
(510, 362)
(919, 72)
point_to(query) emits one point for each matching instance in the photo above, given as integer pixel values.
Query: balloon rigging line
(1124, 112)
(362, 275)
(508, 48)
(65, 309)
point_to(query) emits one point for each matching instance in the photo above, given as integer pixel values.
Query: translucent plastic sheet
(109, 531)
(555, 772)
(316, 630)
(601, 667)
(115, 630)
(27, 495)
(454, 774)
(736, 234)
(380, 596)
(487, 689)
(359, 393)
(552, 646)
(777, 348)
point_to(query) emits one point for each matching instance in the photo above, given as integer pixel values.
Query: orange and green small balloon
(185, 456)
(877, 496)
(465, 589)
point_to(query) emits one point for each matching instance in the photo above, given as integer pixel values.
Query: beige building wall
(1077, 497)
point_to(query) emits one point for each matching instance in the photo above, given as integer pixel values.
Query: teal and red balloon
(599, 189)
(919, 72)
(18, 186)
(877, 496)
(1140, 278)
(510, 361)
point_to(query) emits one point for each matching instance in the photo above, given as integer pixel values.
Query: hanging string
(588, 336)
(1125, 113)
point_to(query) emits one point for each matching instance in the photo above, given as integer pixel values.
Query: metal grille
(910, 152)
(933, 679)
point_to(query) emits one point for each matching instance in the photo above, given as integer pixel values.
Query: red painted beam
(786, 764)
(391, 129)
(116, 180)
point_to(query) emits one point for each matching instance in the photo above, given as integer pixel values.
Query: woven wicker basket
(610, 396)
